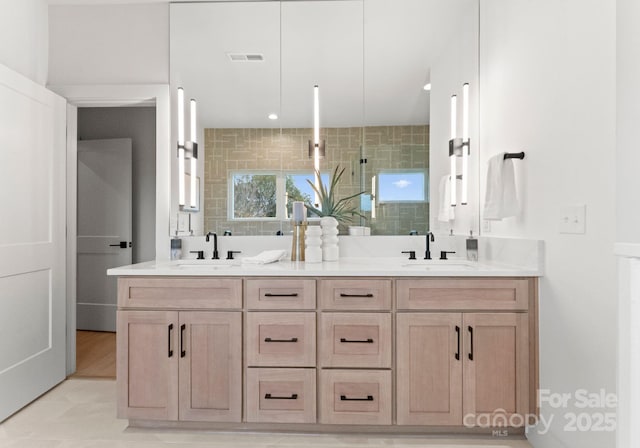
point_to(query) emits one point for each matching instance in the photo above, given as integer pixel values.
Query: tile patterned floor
(80, 413)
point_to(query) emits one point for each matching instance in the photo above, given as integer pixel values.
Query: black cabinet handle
(182, 351)
(280, 340)
(356, 341)
(458, 352)
(121, 245)
(356, 295)
(271, 397)
(344, 398)
(471, 333)
(270, 294)
(169, 351)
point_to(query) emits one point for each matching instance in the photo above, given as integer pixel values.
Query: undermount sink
(441, 265)
(207, 264)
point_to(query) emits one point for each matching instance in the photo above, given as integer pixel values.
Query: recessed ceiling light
(427, 87)
(273, 116)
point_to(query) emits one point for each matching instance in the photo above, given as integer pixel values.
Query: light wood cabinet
(496, 364)
(210, 366)
(355, 397)
(355, 340)
(455, 365)
(281, 339)
(355, 294)
(281, 395)
(429, 369)
(281, 294)
(179, 365)
(147, 365)
(418, 352)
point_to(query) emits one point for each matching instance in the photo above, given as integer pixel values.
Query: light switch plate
(486, 225)
(573, 219)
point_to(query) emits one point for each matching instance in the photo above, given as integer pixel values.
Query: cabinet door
(496, 366)
(147, 365)
(210, 352)
(429, 369)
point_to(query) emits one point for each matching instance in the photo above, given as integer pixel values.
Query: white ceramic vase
(330, 251)
(313, 244)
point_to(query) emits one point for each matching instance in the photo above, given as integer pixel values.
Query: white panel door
(104, 228)
(32, 240)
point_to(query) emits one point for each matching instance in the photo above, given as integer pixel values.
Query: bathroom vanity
(357, 344)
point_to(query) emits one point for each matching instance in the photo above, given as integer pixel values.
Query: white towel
(500, 200)
(446, 212)
(268, 256)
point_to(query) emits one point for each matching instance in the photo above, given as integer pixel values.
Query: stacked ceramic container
(330, 251)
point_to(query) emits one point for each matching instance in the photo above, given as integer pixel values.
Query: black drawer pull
(471, 333)
(270, 294)
(344, 398)
(183, 353)
(458, 352)
(280, 340)
(169, 351)
(356, 341)
(271, 397)
(342, 294)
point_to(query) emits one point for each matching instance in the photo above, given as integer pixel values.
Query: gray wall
(138, 124)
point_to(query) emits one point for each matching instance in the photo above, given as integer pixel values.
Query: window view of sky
(406, 186)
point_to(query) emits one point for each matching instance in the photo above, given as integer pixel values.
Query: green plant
(341, 209)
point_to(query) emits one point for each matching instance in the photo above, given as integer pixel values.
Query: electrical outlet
(573, 219)
(486, 225)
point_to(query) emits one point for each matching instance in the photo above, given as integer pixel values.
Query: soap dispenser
(472, 247)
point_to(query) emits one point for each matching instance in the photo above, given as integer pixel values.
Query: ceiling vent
(245, 57)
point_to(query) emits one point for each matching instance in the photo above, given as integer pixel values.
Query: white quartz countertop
(345, 267)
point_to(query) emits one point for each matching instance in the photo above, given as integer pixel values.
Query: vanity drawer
(355, 340)
(270, 294)
(462, 294)
(180, 293)
(355, 397)
(281, 339)
(281, 395)
(355, 294)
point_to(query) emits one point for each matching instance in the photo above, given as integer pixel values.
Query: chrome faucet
(427, 253)
(215, 244)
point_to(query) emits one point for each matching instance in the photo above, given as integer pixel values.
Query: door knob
(121, 245)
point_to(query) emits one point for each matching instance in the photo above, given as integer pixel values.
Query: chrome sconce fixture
(460, 147)
(316, 147)
(187, 150)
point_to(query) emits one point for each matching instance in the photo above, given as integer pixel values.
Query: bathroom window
(298, 189)
(402, 186)
(259, 196)
(253, 196)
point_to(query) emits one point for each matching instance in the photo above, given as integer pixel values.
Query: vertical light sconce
(194, 155)
(460, 147)
(452, 149)
(316, 147)
(181, 177)
(187, 149)
(465, 144)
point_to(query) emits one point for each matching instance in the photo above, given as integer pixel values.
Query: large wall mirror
(247, 63)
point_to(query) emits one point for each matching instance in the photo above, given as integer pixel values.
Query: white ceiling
(370, 58)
